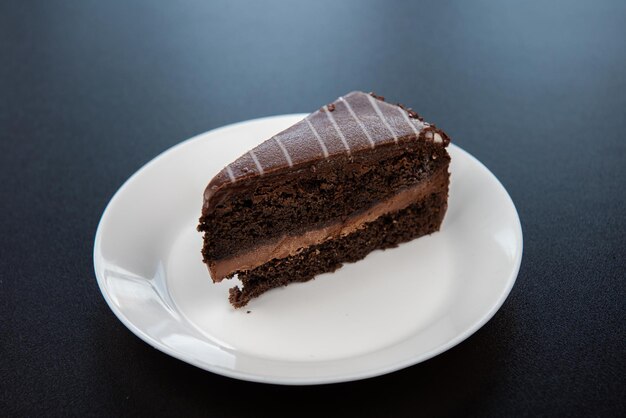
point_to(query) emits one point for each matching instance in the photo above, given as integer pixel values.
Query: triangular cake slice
(357, 175)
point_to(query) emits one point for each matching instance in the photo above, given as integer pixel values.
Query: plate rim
(288, 380)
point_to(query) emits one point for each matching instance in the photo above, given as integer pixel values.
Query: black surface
(90, 91)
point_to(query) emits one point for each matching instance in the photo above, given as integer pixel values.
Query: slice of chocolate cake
(357, 175)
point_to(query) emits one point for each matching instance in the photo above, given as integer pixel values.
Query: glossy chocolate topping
(350, 124)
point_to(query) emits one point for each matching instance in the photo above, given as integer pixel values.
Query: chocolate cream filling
(288, 245)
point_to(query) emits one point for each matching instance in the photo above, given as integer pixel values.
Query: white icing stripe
(231, 176)
(354, 116)
(332, 120)
(317, 136)
(282, 147)
(381, 116)
(256, 161)
(406, 118)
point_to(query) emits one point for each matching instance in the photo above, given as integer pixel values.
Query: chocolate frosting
(350, 124)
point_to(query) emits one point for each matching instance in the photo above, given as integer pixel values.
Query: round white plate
(391, 310)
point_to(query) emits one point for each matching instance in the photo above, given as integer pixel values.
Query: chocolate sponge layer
(420, 218)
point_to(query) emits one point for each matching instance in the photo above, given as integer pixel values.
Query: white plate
(392, 310)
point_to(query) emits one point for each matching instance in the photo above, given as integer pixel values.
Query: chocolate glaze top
(351, 123)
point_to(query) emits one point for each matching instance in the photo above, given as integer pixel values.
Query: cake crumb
(331, 107)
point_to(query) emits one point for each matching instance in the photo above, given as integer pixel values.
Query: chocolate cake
(357, 175)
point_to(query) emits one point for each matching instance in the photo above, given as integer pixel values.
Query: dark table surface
(92, 90)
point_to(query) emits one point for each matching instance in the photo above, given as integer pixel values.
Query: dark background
(92, 90)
